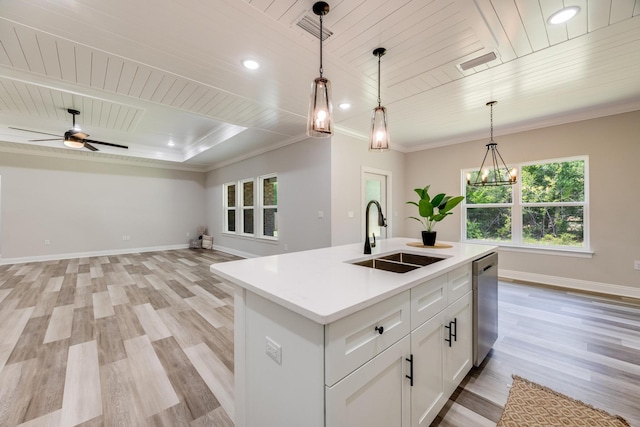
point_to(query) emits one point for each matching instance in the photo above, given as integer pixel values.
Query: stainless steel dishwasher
(485, 306)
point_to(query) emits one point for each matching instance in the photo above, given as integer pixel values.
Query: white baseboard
(582, 285)
(234, 252)
(56, 257)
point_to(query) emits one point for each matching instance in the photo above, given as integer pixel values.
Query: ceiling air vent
(311, 24)
(478, 61)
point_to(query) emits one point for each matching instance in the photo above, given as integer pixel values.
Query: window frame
(262, 207)
(517, 207)
(243, 208)
(226, 208)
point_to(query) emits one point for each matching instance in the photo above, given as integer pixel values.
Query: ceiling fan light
(72, 141)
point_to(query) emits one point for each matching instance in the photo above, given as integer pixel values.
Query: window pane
(270, 222)
(270, 191)
(231, 196)
(554, 226)
(489, 224)
(231, 220)
(553, 182)
(247, 193)
(248, 221)
(480, 195)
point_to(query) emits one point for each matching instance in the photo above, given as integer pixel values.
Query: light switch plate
(273, 350)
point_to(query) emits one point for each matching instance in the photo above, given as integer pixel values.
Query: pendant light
(379, 139)
(320, 118)
(501, 174)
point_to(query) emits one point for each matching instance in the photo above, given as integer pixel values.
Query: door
(375, 184)
(374, 395)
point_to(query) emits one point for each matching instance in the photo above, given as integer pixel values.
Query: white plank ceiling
(145, 73)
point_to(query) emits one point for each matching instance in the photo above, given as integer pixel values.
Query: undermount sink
(399, 262)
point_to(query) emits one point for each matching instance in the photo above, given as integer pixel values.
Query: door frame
(388, 209)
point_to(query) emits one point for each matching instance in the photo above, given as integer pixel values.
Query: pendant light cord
(491, 115)
(379, 101)
(321, 37)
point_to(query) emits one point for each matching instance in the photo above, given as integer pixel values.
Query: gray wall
(304, 189)
(612, 144)
(84, 206)
(348, 157)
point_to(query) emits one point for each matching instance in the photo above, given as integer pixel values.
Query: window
(229, 203)
(268, 185)
(247, 206)
(548, 207)
(250, 216)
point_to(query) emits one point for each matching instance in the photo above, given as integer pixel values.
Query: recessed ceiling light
(563, 15)
(250, 64)
(171, 143)
(344, 106)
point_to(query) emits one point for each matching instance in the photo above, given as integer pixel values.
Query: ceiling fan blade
(106, 143)
(89, 146)
(50, 139)
(35, 131)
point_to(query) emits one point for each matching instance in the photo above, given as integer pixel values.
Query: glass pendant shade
(72, 142)
(379, 139)
(320, 117)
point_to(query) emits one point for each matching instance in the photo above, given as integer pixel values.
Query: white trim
(234, 252)
(564, 282)
(57, 257)
(552, 250)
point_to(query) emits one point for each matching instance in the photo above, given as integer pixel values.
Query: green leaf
(425, 208)
(452, 203)
(437, 200)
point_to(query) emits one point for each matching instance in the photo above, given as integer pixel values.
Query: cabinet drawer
(353, 340)
(427, 300)
(459, 283)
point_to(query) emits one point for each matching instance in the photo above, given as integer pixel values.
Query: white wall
(348, 157)
(304, 189)
(613, 148)
(84, 206)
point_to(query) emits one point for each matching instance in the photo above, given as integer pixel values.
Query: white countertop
(323, 286)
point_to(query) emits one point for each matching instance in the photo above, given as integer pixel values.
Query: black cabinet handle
(410, 376)
(448, 327)
(452, 327)
(380, 329)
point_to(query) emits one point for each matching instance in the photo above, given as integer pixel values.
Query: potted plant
(432, 211)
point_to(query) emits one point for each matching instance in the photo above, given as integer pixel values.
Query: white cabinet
(375, 395)
(387, 365)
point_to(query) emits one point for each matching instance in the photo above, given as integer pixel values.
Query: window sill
(265, 239)
(556, 251)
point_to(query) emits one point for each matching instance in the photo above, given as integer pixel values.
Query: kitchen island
(321, 341)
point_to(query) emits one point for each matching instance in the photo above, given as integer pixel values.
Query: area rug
(531, 405)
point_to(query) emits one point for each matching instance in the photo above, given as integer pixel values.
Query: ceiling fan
(73, 138)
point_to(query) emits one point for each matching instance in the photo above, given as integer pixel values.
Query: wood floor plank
(153, 388)
(82, 400)
(122, 406)
(60, 324)
(102, 306)
(151, 322)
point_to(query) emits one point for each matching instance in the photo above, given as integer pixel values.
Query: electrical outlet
(188, 234)
(47, 242)
(636, 265)
(273, 350)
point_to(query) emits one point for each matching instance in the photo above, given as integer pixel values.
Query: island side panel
(289, 393)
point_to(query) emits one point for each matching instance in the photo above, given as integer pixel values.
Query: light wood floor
(147, 339)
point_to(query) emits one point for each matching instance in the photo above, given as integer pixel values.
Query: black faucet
(381, 222)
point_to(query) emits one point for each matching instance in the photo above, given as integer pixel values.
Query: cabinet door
(458, 357)
(374, 395)
(427, 394)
